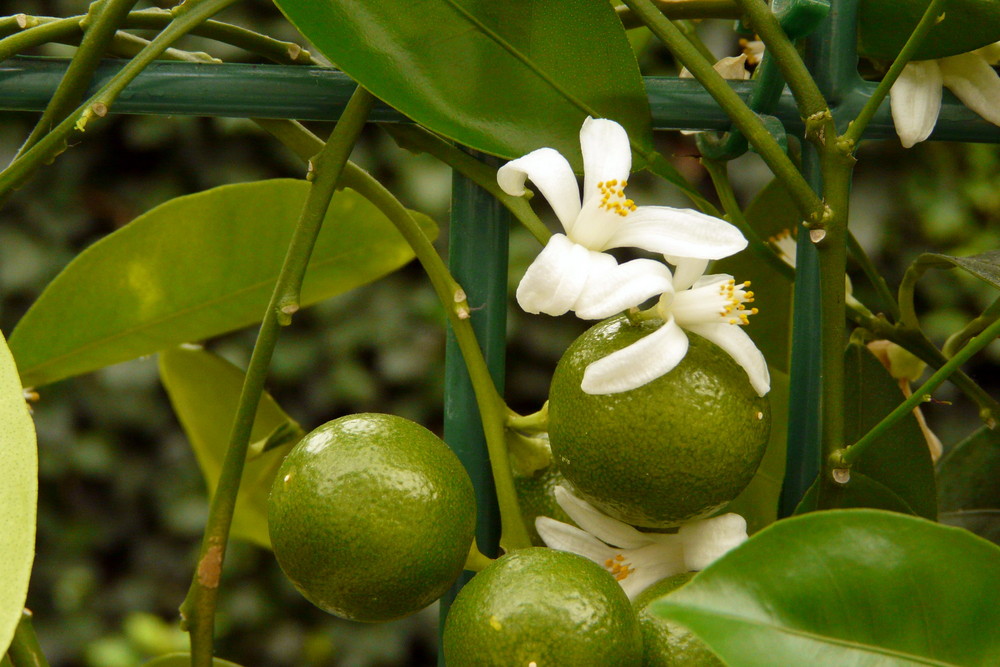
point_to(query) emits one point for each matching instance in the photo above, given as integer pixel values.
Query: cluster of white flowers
(574, 273)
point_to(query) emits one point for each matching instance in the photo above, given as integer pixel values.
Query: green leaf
(195, 267)
(204, 390)
(18, 496)
(884, 27)
(859, 491)
(758, 503)
(985, 266)
(183, 660)
(770, 213)
(848, 587)
(968, 475)
(899, 460)
(502, 78)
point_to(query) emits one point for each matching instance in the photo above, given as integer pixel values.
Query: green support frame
(479, 225)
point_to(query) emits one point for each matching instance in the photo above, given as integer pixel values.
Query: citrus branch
(198, 608)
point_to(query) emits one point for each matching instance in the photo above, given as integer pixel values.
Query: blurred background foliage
(121, 501)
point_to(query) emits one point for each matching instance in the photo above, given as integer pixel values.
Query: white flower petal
(677, 231)
(623, 286)
(652, 563)
(597, 523)
(555, 280)
(564, 537)
(607, 155)
(687, 271)
(643, 361)
(705, 541)
(552, 175)
(738, 345)
(973, 81)
(915, 100)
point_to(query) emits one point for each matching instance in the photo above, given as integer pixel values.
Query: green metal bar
(477, 246)
(319, 94)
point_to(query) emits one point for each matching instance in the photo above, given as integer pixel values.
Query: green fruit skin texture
(545, 607)
(371, 517)
(676, 449)
(536, 497)
(665, 643)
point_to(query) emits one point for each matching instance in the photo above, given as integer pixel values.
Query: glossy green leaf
(884, 27)
(848, 587)
(196, 267)
(18, 496)
(183, 660)
(859, 491)
(770, 213)
(900, 459)
(968, 475)
(985, 266)
(758, 503)
(502, 78)
(204, 390)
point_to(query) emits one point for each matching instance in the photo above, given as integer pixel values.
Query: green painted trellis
(478, 240)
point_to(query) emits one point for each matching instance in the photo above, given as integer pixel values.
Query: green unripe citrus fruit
(542, 607)
(673, 450)
(371, 516)
(536, 497)
(665, 643)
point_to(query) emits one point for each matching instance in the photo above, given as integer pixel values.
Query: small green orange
(371, 516)
(542, 607)
(673, 450)
(665, 643)
(536, 497)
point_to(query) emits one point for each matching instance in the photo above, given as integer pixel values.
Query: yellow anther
(612, 183)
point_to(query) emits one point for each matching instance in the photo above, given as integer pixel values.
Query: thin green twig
(807, 94)
(746, 120)
(416, 138)
(961, 337)
(859, 255)
(492, 408)
(186, 16)
(847, 457)
(198, 608)
(684, 9)
(932, 16)
(719, 173)
(99, 27)
(25, 32)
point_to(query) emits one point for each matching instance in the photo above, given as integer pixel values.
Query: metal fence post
(477, 246)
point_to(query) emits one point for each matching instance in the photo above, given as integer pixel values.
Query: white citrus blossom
(915, 97)
(573, 273)
(636, 559)
(710, 306)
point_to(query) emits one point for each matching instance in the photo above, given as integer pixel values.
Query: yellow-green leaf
(195, 267)
(205, 390)
(18, 496)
